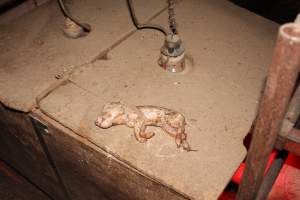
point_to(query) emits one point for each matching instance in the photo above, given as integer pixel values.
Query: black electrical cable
(67, 14)
(143, 26)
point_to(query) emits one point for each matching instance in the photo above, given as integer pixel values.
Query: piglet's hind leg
(178, 140)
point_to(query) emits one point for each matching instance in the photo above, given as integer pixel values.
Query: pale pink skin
(111, 115)
(100, 122)
(139, 118)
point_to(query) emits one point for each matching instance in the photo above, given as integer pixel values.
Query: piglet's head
(109, 113)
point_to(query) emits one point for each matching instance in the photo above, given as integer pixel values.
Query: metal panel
(20, 148)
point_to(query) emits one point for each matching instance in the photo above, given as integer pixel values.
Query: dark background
(280, 11)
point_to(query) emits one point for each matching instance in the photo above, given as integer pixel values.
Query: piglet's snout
(99, 121)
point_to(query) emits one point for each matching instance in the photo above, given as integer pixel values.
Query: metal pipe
(294, 108)
(283, 74)
(291, 143)
(298, 19)
(271, 175)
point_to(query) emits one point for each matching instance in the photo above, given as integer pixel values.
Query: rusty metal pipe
(294, 108)
(283, 73)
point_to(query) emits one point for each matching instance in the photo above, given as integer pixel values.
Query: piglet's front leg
(147, 135)
(140, 132)
(138, 128)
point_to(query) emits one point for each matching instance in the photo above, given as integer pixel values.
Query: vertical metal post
(271, 175)
(283, 74)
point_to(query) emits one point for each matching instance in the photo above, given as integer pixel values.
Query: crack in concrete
(101, 56)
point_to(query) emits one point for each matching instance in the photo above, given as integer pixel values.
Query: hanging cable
(172, 20)
(172, 53)
(143, 26)
(67, 14)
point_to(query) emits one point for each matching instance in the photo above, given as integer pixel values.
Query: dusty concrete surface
(15, 12)
(15, 187)
(33, 49)
(231, 49)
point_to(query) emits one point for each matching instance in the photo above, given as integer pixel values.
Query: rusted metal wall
(15, 187)
(21, 149)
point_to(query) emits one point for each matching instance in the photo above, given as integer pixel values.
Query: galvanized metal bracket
(39, 126)
(41, 129)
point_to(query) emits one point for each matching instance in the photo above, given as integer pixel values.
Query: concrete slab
(231, 49)
(33, 49)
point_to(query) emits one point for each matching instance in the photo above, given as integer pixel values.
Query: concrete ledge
(33, 49)
(231, 49)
